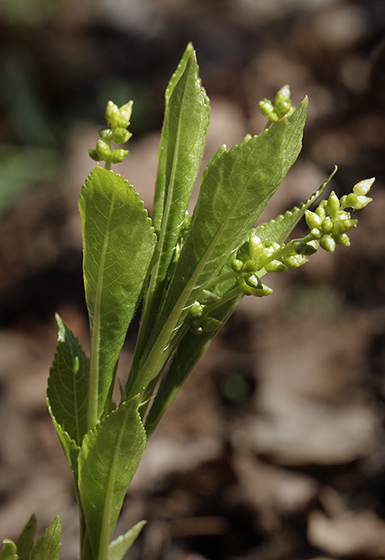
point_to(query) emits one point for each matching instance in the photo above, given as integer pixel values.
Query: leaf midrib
(106, 520)
(93, 399)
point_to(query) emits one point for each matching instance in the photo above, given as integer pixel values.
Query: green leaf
(8, 551)
(109, 457)
(68, 384)
(118, 242)
(235, 188)
(48, 546)
(70, 448)
(160, 185)
(192, 346)
(278, 229)
(187, 123)
(187, 120)
(118, 548)
(25, 541)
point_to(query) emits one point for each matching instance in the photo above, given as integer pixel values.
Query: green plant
(191, 273)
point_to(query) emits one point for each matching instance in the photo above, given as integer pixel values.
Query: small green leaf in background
(118, 242)
(25, 542)
(118, 548)
(8, 551)
(109, 457)
(68, 384)
(48, 546)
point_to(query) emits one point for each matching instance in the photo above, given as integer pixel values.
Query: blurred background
(275, 449)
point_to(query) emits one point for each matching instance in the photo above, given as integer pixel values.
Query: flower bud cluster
(281, 108)
(331, 222)
(329, 225)
(118, 119)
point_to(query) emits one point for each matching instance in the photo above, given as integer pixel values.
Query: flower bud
(103, 149)
(314, 244)
(275, 266)
(125, 114)
(316, 233)
(299, 246)
(120, 135)
(256, 247)
(342, 239)
(195, 327)
(196, 309)
(105, 133)
(210, 324)
(343, 226)
(208, 297)
(327, 243)
(249, 266)
(320, 210)
(333, 204)
(312, 219)
(361, 202)
(264, 291)
(350, 200)
(283, 94)
(327, 225)
(266, 107)
(112, 113)
(237, 265)
(253, 281)
(363, 187)
(118, 155)
(292, 260)
(284, 108)
(94, 155)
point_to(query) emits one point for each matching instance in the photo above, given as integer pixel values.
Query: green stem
(157, 356)
(235, 292)
(222, 278)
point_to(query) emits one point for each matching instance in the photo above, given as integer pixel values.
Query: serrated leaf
(8, 551)
(48, 545)
(68, 384)
(70, 448)
(278, 229)
(109, 457)
(25, 541)
(160, 185)
(186, 123)
(235, 188)
(118, 548)
(118, 242)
